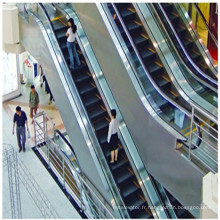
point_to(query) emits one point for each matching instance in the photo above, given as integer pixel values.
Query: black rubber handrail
(66, 141)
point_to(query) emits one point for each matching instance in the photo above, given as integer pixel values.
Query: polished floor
(51, 190)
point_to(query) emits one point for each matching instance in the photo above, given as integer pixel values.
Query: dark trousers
(21, 136)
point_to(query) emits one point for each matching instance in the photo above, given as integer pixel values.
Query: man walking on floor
(20, 119)
(33, 102)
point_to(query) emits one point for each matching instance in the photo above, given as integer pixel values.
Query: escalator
(122, 171)
(152, 63)
(176, 206)
(186, 38)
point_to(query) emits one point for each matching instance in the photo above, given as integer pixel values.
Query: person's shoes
(32, 122)
(24, 149)
(19, 150)
(111, 161)
(49, 102)
(71, 67)
(22, 83)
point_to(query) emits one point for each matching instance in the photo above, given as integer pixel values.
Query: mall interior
(156, 64)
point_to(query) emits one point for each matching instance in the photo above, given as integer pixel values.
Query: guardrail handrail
(80, 174)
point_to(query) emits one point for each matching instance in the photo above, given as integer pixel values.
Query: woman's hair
(113, 113)
(73, 26)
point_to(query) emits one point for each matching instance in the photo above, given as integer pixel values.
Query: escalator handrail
(208, 85)
(206, 24)
(116, 198)
(143, 66)
(184, 50)
(66, 141)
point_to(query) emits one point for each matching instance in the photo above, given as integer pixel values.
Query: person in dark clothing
(20, 119)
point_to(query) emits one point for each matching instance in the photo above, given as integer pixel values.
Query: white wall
(10, 24)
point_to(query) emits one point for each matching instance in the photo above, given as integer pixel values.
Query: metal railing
(207, 138)
(78, 186)
(19, 172)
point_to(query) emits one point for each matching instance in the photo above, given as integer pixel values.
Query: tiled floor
(51, 190)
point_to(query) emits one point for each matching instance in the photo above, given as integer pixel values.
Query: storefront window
(10, 80)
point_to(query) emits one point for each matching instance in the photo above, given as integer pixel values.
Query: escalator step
(180, 29)
(147, 54)
(167, 6)
(61, 34)
(101, 125)
(79, 78)
(107, 151)
(134, 200)
(128, 189)
(140, 41)
(121, 162)
(194, 54)
(127, 14)
(123, 175)
(142, 213)
(154, 68)
(59, 26)
(103, 139)
(90, 101)
(122, 5)
(161, 81)
(96, 113)
(187, 42)
(86, 89)
(173, 17)
(133, 27)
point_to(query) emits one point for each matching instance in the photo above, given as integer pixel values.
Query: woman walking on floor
(113, 136)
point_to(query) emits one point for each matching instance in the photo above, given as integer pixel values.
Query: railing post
(48, 152)
(191, 130)
(63, 172)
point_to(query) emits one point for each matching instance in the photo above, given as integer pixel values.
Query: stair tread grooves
(81, 77)
(128, 189)
(135, 201)
(141, 214)
(126, 12)
(123, 175)
(119, 164)
(101, 124)
(88, 101)
(161, 81)
(146, 53)
(132, 26)
(86, 88)
(96, 112)
(153, 67)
